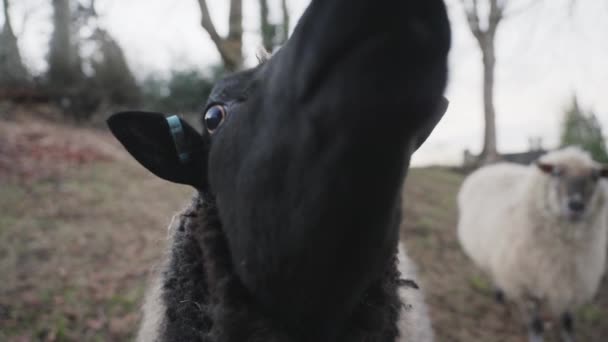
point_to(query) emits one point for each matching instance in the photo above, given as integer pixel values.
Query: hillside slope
(81, 225)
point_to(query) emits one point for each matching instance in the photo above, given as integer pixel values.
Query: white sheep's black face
(573, 190)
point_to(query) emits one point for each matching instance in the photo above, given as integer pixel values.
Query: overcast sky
(545, 54)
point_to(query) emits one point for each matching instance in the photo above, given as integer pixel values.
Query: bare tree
(65, 64)
(112, 78)
(12, 71)
(286, 22)
(486, 37)
(231, 46)
(112, 73)
(268, 30)
(273, 34)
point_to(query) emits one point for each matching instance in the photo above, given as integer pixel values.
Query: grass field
(79, 235)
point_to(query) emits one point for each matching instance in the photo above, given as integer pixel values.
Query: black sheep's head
(305, 153)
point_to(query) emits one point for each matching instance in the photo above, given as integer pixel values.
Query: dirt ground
(81, 226)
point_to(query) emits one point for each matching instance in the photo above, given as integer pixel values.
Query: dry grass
(76, 251)
(77, 245)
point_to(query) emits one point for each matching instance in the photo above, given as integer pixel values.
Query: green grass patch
(480, 284)
(591, 313)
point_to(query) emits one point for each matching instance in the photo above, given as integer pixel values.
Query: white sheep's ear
(167, 146)
(546, 167)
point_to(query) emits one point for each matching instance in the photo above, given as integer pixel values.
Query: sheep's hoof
(535, 337)
(499, 295)
(567, 328)
(536, 328)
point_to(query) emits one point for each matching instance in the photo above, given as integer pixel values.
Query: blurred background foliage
(180, 91)
(88, 76)
(582, 128)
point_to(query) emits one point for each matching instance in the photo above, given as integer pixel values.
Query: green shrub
(582, 128)
(184, 90)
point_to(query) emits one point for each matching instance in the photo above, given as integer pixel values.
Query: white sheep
(539, 231)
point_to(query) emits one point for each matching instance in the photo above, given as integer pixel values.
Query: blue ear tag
(179, 138)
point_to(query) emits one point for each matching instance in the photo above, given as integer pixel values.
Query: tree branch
(220, 43)
(470, 10)
(208, 25)
(230, 47)
(265, 27)
(235, 20)
(285, 10)
(7, 21)
(495, 16)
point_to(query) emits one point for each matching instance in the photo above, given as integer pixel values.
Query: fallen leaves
(38, 149)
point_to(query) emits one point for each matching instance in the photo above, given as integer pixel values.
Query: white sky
(544, 55)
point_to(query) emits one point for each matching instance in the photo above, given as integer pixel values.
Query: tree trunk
(489, 153)
(231, 47)
(12, 71)
(485, 38)
(65, 67)
(113, 76)
(267, 29)
(285, 11)
(234, 42)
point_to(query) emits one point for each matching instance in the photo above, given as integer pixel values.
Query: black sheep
(293, 233)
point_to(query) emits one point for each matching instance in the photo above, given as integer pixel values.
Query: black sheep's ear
(167, 146)
(432, 121)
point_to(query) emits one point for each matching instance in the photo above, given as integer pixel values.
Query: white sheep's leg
(567, 324)
(499, 296)
(535, 330)
(535, 323)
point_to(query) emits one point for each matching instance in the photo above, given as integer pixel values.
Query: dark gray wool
(205, 301)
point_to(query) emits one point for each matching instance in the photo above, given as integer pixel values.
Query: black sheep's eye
(214, 117)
